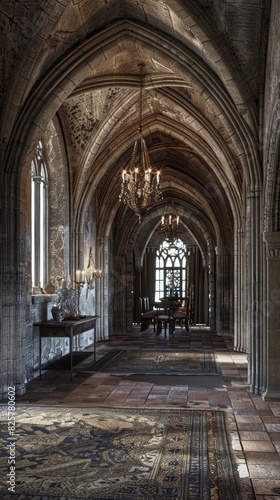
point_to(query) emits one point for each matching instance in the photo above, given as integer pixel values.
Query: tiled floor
(254, 423)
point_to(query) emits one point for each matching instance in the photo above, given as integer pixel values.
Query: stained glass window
(171, 270)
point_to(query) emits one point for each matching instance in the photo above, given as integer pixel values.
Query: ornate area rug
(163, 362)
(119, 454)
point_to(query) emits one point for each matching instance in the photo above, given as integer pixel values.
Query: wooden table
(170, 303)
(65, 328)
(172, 306)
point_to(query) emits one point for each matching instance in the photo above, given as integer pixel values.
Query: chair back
(142, 305)
(147, 304)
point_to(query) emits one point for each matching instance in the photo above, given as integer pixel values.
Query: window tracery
(171, 269)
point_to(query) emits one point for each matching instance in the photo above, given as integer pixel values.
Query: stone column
(254, 291)
(219, 292)
(104, 323)
(240, 337)
(13, 302)
(129, 292)
(212, 289)
(119, 286)
(223, 283)
(272, 314)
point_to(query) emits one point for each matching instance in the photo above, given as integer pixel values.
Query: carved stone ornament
(90, 270)
(274, 252)
(272, 245)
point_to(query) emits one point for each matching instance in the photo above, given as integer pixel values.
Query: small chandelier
(140, 187)
(169, 223)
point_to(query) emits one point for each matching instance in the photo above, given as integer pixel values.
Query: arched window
(39, 219)
(171, 270)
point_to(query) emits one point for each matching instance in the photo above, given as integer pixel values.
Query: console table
(65, 328)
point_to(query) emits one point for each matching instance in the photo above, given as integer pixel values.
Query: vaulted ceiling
(202, 98)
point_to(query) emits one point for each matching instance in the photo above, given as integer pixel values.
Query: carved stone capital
(272, 241)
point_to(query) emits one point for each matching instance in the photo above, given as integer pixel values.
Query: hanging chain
(141, 66)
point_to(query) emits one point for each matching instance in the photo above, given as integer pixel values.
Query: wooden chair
(180, 313)
(165, 320)
(147, 316)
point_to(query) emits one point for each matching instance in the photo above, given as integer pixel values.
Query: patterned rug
(163, 362)
(119, 454)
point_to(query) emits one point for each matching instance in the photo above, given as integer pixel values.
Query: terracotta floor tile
(277, 446)
(272, 427)
(271, 471)
(258, 446)
(266, 487)
(271, 419)
(262, 457)
(274, 436)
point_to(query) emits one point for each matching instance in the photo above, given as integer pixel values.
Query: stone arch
(40, 108)
(271, 188)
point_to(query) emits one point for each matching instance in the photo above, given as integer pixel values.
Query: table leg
(40, 354)
(71, 352)
(94, 342)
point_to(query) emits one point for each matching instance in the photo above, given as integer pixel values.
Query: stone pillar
(129, 292)
(120, 294)
(240, 337)
(273, 315)
(224, 295)
(13, 302)
(211, 293)
(219, 292)
(104, 324)
(254, 292)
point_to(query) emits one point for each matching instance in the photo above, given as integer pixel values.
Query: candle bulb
(80, 276)
(158, 176)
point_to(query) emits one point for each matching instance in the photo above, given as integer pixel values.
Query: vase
(49, 288)
(57, 313)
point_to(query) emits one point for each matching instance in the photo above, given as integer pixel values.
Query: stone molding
(43, 298)
(271, 395)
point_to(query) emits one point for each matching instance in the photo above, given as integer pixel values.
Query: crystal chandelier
(169, 222)
(140, 187)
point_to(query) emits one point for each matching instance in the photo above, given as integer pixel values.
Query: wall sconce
(97, 273)
(91, 273)
(80, 279)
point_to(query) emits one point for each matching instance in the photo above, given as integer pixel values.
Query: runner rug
(118, 454)
(163, 362)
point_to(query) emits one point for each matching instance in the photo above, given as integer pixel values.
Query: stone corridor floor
(255, 429)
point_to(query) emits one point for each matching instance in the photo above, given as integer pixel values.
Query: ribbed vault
(195, 133)
(70, 78)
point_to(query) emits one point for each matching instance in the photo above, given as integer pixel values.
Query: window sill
(43, 298)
